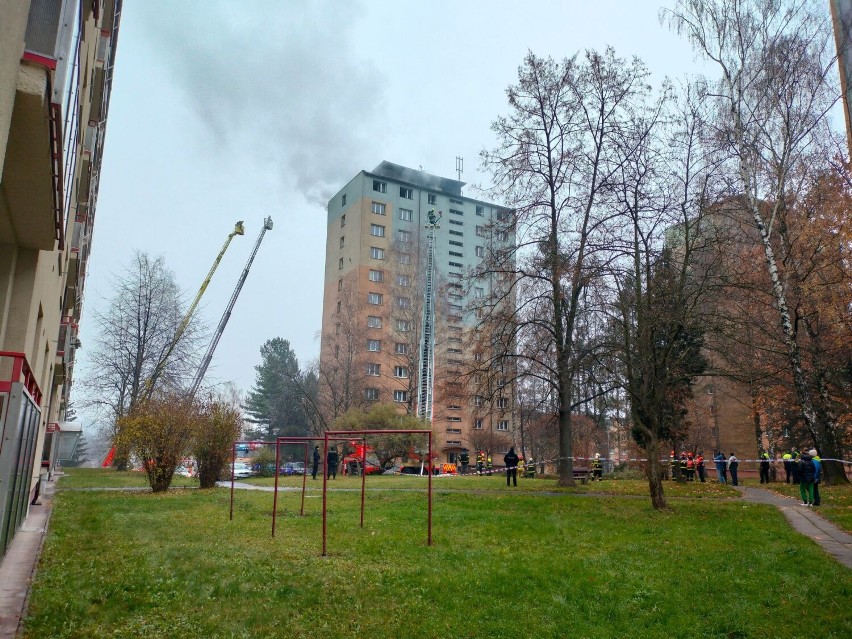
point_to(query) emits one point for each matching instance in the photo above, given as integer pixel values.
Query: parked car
(242, 470)
(293, 468)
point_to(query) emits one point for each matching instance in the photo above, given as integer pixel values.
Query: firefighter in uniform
(597, 468)
(672, 464)
(521, 467)
(464, 460)
(683, 465)
(530, 468)
(488, 464)
(690, 467)
(699, 466)
(480, 462)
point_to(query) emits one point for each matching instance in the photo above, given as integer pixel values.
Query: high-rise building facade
(375, 332)
(56, 65)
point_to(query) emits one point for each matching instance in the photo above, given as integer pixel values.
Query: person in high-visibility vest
(690, 467)
(521, 467)
(488, 464)
(683, 465)
(480, 462)
(788, 465)
(764, 467)
(699, 466)
(817, 474)
(597, 468)
(672, 464)
(530, 468)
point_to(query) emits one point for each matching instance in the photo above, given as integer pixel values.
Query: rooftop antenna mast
(208, 356)
(427, 334)
(459, 166)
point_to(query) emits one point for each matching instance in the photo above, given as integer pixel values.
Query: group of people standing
(727, 465)
(690, 464)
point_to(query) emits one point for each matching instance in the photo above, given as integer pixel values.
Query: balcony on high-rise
(31, 203)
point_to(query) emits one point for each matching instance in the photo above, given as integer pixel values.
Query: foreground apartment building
(377, 345)
(56, 65)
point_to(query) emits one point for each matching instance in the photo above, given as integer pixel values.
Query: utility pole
(427, 334)
(208, 356)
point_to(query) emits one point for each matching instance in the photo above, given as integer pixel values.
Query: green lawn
(498, 483)
(109, 478)
(836, 501)
(123, 564)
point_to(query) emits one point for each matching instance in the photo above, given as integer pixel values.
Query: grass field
(108, 478)
(503, 564)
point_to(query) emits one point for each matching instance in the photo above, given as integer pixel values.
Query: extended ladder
(427, 334)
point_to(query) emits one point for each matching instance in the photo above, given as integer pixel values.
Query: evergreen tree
(275, 401)
(81, 454)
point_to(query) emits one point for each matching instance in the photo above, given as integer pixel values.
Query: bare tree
(135, 332)
(557, 155)
(777, 84)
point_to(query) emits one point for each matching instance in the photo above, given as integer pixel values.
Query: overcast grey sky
(227, 110)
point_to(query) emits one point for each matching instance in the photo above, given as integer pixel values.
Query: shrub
(217, 429)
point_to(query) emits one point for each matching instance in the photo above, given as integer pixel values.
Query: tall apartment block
(56, 66)
(841, 13)
(375, 337)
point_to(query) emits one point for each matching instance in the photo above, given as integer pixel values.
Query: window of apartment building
(456, 254)
(339, 285)
(343, 200)
(405, 258)
(502, 402)
(380, 187)
(479, 313)
(340, 264)
(454, 339)
(477, 356)
(479, 292)
(454, 285)
(454, 274)
(455, 295)
(403, 302)
(402, 280)
(477, 379)
(455, 307)
(343, 220)
(477, 424)
(374, 321)
(480, 231)
(403, 326)
(455, 351)
(456, 212)
(457, 265)
(453, 419)
(373, 369)
(406, 192)
(452, 232)
(480, 251)
(403, 236)
(400, 371)
(336, 350)
(374, 298)
(400, 396)
(453, 407)
(456, 201)
(377, 276)
(406, 215)
(378, 208)
(502, 215)
(477, 400)
(377, 253)
(377, 230)
(454, 431)
(454, 318)
(480, 211)
(371, 394)
(502, 236)
(456, 243)
(503, 424)
(342, 241)
(374, 345)
(401, 348)
(338, 306)
(501, 383)
(456, 223)
(432, 198)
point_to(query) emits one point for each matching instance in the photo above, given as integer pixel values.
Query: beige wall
(13, 25)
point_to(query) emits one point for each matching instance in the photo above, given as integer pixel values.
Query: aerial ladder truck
(427, 334)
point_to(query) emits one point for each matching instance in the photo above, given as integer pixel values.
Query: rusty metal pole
(324, 491)
(233, 461)
(304, 480)
(275, 492)
(363, 475)
(429, 534)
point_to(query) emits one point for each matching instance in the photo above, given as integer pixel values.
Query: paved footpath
(805, 520)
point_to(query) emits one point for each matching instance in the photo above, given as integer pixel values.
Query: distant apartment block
(56, 66)
(841, 12)
(373, 304)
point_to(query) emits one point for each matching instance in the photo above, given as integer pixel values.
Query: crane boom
(427, 333)
(208, 356)
(161, 365)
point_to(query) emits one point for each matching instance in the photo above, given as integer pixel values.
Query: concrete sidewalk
(19, 564)
(805, 520)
